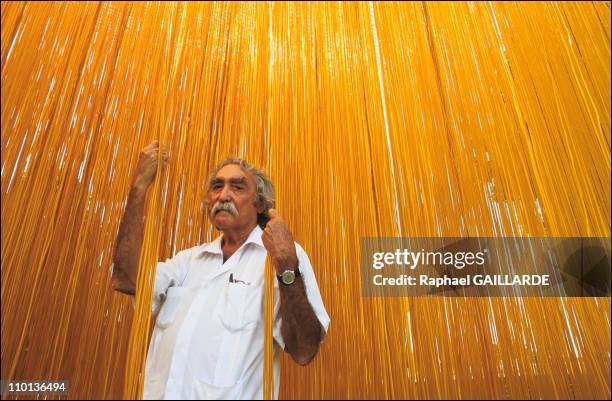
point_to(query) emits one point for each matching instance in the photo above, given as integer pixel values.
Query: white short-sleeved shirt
(208, 337)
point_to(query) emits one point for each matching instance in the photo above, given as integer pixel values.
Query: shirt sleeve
(169, 273)
(312, 293)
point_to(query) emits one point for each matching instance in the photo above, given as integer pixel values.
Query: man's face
(231, 199)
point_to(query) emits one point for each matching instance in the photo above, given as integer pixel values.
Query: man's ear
(259, 205)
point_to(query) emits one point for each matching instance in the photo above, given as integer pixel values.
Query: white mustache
(224, 206)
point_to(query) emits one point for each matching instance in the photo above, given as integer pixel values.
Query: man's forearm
(129, 242)
(300, 326)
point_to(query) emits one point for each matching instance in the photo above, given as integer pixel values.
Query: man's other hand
(147, 164)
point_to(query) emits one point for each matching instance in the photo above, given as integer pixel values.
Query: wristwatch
(288, 276)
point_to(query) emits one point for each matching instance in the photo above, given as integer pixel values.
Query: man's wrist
(283, 265)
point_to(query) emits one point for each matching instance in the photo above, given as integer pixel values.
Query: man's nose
(224, 196)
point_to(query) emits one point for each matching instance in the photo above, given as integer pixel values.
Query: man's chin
(223, 220)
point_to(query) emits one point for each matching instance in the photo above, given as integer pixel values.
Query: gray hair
(265, 195)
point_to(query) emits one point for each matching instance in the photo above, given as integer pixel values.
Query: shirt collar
(215, 246)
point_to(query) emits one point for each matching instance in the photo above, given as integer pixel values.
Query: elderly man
(208, 336)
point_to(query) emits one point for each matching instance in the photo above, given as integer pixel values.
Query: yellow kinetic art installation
(373, 119)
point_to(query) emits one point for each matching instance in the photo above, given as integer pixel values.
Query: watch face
(288, 277)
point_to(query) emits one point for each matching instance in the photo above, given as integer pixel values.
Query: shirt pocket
(240, 307)
(169, 309)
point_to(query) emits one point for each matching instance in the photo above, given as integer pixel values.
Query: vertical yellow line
(384, 110)
(268, 380)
